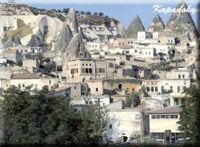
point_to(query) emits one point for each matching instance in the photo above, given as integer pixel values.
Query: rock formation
(157, 25)
(12, 41)
(134, 27)
(71, 20)
(182, 25)
(63, 38)
(76, 48)
(121, 30)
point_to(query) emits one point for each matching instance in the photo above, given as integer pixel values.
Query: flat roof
(166, 110)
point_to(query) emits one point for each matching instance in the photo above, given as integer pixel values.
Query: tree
(91, 125)
(133, 99)
(50, 67)
(66, 10)
(101, 14)
(88, 13)
(149, 140)
(189, 116)
(143, 90)
(40, 117)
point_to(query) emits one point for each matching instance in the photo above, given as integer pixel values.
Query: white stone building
(123, 123)
(35, 80)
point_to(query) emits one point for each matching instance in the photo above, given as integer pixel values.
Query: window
(49, 81)
(183, 76)
(153, 116)
(110, 126)
(174, 116)
(179, 76)
(74, 87)
(178, 89)
(82, 64)
(163, 116)
(120, 86)
(97, 89)
(176, 101)
(156, 89)
(148, 89)
(152, 89)
(158, 116)
(72, 71)
(171, 88)
(23, 85)
(83, 70)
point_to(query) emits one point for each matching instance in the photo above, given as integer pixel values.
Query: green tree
(133, 99)
(148, 140)
(189, 116)
(91, 124)
(40, 117)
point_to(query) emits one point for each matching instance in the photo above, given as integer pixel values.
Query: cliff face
(135, 26)
(182, 25)
(76, 48)
(40, 27)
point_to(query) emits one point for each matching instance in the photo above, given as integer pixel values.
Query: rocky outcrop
(12, 41)
(63, 38)
(157, 25)
(71, 20)
(134, 27)
(37, 40)
(76, 48)
(121, 30)
(182, 25)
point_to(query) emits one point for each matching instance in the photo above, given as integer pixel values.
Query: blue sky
(123, 10)
(101, 1)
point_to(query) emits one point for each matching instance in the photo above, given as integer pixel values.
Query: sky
(123, 10)
(100, 1)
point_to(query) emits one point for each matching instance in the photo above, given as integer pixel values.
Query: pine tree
(189, 116)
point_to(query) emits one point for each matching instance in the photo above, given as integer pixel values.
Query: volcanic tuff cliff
(40, 27)
(182, 25)
(135, 26)
(76, 48)
(157, 25)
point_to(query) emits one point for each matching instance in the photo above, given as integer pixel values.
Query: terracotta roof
(167, 110)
